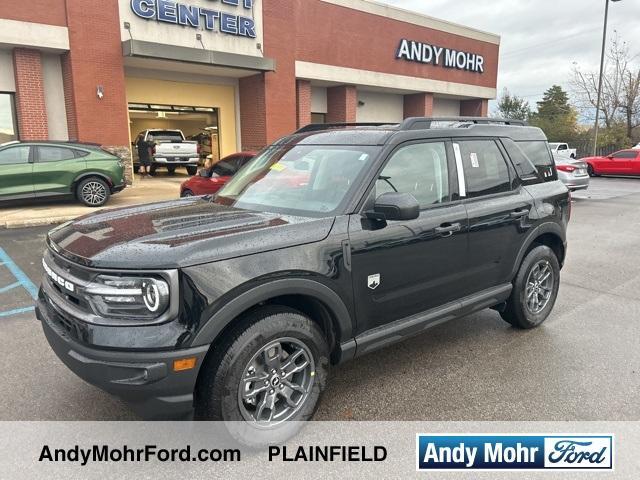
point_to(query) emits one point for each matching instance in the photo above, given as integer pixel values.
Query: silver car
(573, 173)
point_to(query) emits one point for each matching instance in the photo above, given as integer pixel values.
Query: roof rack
(316, 127)
(417, 123)
(425, 123)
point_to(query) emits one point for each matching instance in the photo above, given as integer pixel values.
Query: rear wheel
(136, 168)
(192, 170)
(93, 192)
(535, 289)
(152, 169)
(171, 169)
(269, 371)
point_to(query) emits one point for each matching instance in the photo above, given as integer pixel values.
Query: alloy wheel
(539, 287)
(94, 193)
(276, 382)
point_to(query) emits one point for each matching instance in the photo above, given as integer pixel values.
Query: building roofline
(420, 19)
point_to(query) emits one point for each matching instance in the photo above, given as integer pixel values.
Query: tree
(620, 99)
(511, 106)
(555, 116)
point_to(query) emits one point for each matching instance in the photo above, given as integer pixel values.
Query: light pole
(604, 43)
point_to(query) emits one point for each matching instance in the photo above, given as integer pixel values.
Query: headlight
(135, 297)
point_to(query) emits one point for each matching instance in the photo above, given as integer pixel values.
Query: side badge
(373, 281)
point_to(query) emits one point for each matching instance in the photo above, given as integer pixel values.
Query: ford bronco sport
(333, 242)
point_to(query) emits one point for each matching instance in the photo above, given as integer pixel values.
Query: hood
(179, 233)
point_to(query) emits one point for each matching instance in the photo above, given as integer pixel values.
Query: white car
(563, 149)
(637, 147)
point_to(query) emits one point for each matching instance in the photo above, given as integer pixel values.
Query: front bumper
(118, 188)
(145, 380)
(190, 161)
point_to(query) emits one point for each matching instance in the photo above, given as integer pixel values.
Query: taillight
(566, 168)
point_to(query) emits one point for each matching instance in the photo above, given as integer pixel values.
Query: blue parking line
(19, 274)
(10, 287)
(17, 311)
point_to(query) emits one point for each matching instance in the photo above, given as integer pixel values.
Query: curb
(37, 222)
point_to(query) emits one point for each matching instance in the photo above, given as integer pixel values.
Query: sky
(541, 40)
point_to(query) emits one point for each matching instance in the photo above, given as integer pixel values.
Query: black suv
(333, 242)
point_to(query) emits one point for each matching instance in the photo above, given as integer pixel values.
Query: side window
(14, 155)
(54, 154)
(419, 169)
(525, 168)
(538, 152)
(485, 169)
(562, 146)
(625, 154)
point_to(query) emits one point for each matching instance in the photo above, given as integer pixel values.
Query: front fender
(294, 286)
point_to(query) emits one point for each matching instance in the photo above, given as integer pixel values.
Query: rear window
(165, 136)
(539, 154)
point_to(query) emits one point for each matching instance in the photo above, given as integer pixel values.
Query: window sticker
(278, 167)
(474, 160)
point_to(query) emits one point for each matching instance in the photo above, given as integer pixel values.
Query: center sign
(199, 17)
(412, 51)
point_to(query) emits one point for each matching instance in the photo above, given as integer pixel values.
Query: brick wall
(30, 104)
(303, 102)
(342, 104)
(252, 112)
(418, 105)
(49, 12)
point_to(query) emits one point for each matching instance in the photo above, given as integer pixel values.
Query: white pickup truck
(169, 149)
(563, 149)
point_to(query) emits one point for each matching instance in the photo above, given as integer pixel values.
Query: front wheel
(93, 192)
(590, 171)
(535, 289)
(268, 372)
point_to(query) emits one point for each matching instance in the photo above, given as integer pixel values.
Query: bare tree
(620, 100)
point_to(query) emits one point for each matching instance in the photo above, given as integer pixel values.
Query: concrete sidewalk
(49, 212)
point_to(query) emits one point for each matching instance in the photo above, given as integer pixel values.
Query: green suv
(59, 169)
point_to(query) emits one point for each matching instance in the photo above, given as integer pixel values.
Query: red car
(624, 162)
(209, 181)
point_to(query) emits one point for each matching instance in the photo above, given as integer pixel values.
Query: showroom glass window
(485, 169)
(419, 169)
(8, 123)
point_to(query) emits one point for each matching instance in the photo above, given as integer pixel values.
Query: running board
(399, 330)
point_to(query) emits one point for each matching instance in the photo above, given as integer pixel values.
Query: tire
(247, 346)
(186, 193)
(171, 169)
(192, 170)
(152, 169)
(93, 192)
(522, 313)
(573, 155)
(590, 170)
(136, 168)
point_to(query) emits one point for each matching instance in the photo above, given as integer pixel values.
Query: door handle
(447, 229)
(519, 213)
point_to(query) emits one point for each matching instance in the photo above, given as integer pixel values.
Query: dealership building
(232, 74)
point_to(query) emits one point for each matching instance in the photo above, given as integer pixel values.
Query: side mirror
(397, 206)
(203, 173)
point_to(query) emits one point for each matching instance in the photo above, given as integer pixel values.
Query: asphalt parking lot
(583, 364)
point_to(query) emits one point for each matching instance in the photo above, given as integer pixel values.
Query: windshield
(310, 180)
